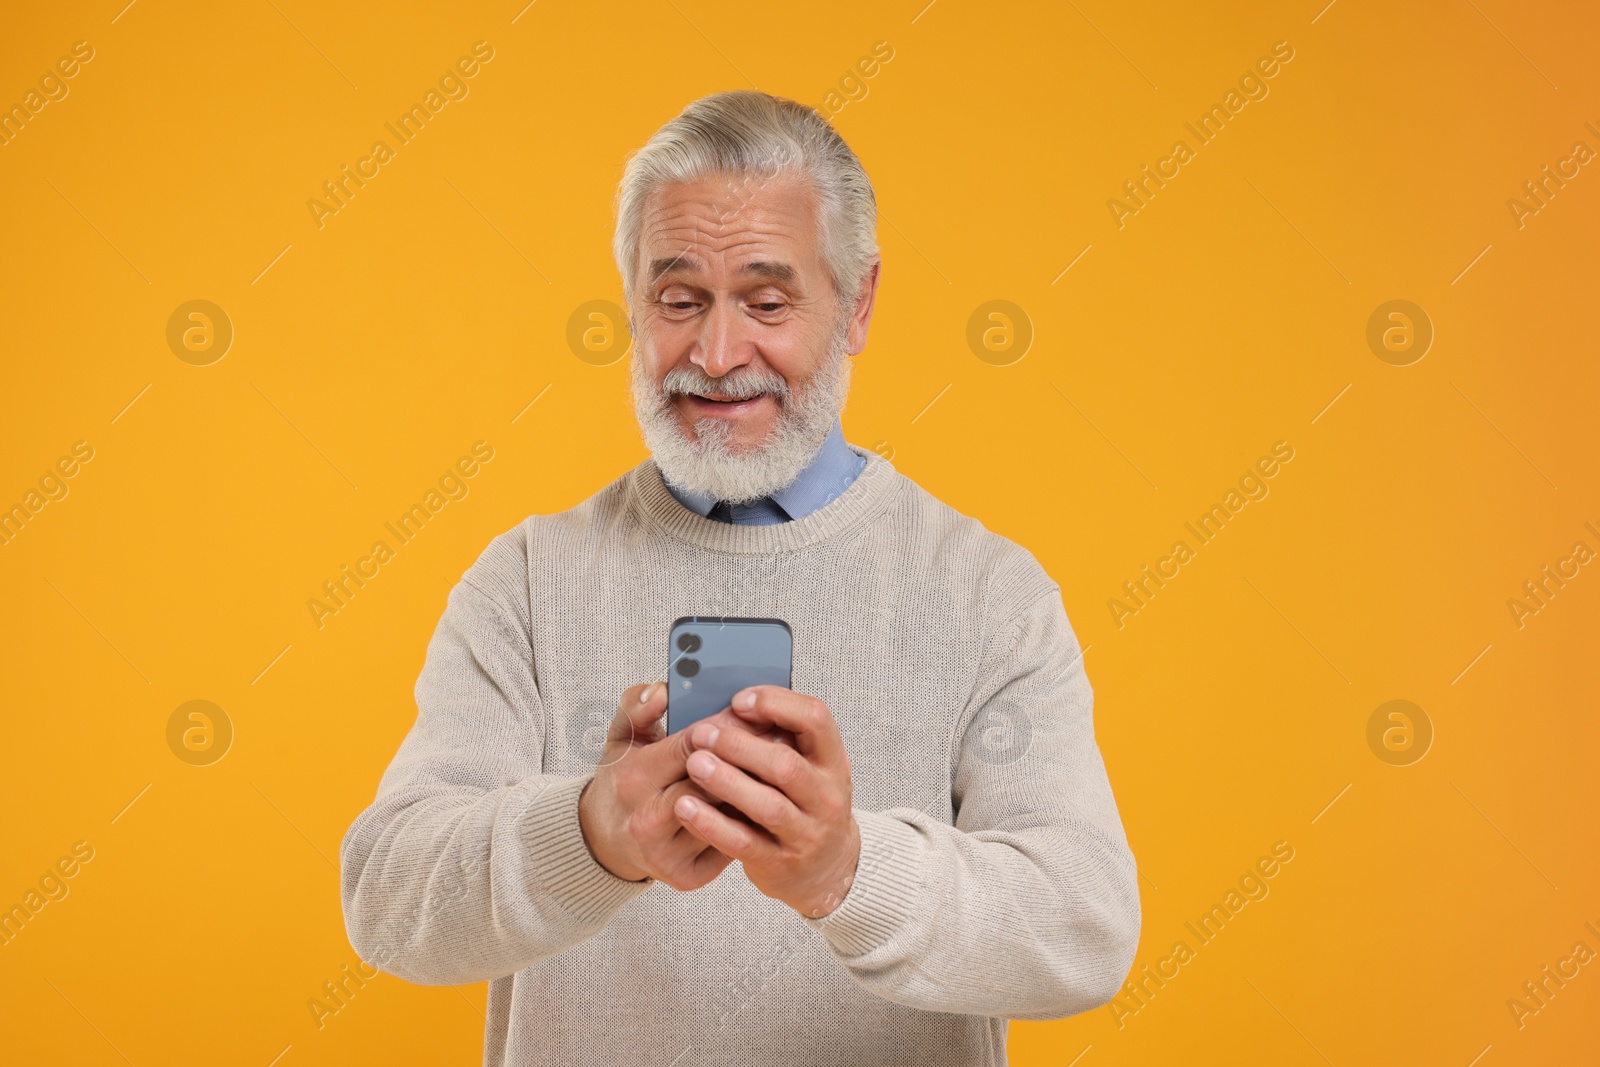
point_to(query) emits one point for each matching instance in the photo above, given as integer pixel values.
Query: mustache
(741, 385)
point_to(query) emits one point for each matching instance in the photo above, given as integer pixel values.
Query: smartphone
(711, 658)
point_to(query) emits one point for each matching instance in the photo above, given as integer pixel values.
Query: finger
(726, 717)
(728, 836)
(640, 728)
(680, 858)
(778, 765)
(638, 714)
(806, 717)
(709, 863)
(769, 807)
(664, 804)
(660, 762)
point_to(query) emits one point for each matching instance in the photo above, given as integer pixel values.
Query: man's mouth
(724, 403)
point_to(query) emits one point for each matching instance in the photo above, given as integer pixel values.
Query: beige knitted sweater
(995, 879)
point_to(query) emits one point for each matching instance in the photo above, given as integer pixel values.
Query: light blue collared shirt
(828, 475)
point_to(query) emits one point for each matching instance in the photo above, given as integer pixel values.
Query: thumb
(639, 714)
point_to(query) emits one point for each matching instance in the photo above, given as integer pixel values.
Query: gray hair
(754, 137)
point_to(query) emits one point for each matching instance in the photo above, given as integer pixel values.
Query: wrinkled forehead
(748, 225)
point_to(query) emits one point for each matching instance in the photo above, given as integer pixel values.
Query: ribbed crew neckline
(864, 496)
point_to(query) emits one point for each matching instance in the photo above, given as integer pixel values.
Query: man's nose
(723, 344)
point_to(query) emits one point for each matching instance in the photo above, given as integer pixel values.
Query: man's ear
(861, 317)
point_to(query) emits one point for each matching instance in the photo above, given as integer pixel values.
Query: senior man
(926, 841)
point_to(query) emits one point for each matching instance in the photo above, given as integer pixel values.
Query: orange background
(1226, 315)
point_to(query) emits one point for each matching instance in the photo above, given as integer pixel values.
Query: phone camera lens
(688, 667)
(688, 642)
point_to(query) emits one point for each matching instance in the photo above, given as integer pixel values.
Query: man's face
(740, 369)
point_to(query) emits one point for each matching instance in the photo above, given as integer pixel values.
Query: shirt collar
(829, 473)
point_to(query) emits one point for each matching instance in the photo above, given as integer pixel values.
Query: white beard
(706, 464)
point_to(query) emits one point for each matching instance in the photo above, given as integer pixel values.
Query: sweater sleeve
(1027, 907)
(471, 864)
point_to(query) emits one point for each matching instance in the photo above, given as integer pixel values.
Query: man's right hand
(626, 810)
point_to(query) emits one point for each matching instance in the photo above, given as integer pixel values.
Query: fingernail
(644, 694)
(711, 734)
(745, 699)
(686, 807)
(701, 764)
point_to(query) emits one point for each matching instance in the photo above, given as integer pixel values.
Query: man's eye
(769, 307)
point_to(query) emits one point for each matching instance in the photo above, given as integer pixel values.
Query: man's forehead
(765, 223)
(688, 262)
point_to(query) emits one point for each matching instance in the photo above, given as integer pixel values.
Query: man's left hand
(802, 844)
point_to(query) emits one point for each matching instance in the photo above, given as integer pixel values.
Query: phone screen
(710, 658)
